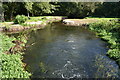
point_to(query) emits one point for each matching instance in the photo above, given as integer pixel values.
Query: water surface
(60, 51)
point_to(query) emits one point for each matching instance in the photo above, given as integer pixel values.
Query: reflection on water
(105, 68)
(68, 52)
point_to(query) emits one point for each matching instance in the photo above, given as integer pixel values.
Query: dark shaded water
(68, 52)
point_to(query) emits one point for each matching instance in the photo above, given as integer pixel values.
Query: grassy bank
(11, 60)
(109, 30)
(22, 22)
(39, 19)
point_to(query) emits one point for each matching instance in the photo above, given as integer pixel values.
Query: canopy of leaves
(70, 9)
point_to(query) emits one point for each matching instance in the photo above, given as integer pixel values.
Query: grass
(101, 18)
(41, 18)
(32, 19)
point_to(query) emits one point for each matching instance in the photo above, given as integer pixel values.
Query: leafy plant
(19, 19)
(109, 30)
(114, 53)
(11, 64)
(6, 42)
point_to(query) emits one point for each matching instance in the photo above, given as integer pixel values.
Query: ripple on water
(71, 53)
(106, 67)
(70, 71)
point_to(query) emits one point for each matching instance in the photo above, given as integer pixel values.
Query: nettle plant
(110, 32)
(6, 42)
(19, 19)
(11, 64)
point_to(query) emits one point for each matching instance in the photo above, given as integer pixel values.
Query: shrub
(5, 43)
(110, 32)
(19, 19)
(115, 53)
(11, 64)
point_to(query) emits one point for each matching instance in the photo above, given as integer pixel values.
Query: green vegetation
(98, 18)
(28, 6)
(42, 67)
(19, 19)
(70, 9)
(6, 43)
(39, 18)
(11, 64)
(109, 30)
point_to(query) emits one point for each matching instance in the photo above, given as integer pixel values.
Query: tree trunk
(2, 17)
(11, 16)
(1, 12)
(32, 14)
(28, 15)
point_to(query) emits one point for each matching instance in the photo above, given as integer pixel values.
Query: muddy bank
(29, 25)
(16, 28)
(42, 24)
(78, 22)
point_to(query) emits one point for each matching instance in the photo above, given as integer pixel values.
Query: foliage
(109, 30)
(42, 8)
(76, 9)
(71, 9)
(111, 9)
(10, 8)
(28, 6)
(20, 19)
(11, 64)
(5, 43)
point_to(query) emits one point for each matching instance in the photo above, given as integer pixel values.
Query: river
(60, 51)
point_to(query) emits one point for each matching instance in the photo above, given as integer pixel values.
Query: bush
(5, 43)
(110, 32)
(11, 64)
(19, 19)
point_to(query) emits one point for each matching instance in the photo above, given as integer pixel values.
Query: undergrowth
(11, 64)
(109, 30)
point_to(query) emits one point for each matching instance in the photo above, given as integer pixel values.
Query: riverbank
(11, 51)
(33, 22)
(78, 22)
(109, 31)
(84, 22)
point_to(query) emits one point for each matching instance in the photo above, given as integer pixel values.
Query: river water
(60, 51)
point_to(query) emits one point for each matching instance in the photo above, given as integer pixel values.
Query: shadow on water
(60, 51)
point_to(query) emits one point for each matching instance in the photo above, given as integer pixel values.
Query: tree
(1, 12)
(111, 9)
(42, 8)
(10, 8)
(76, 9)
(28, 6)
